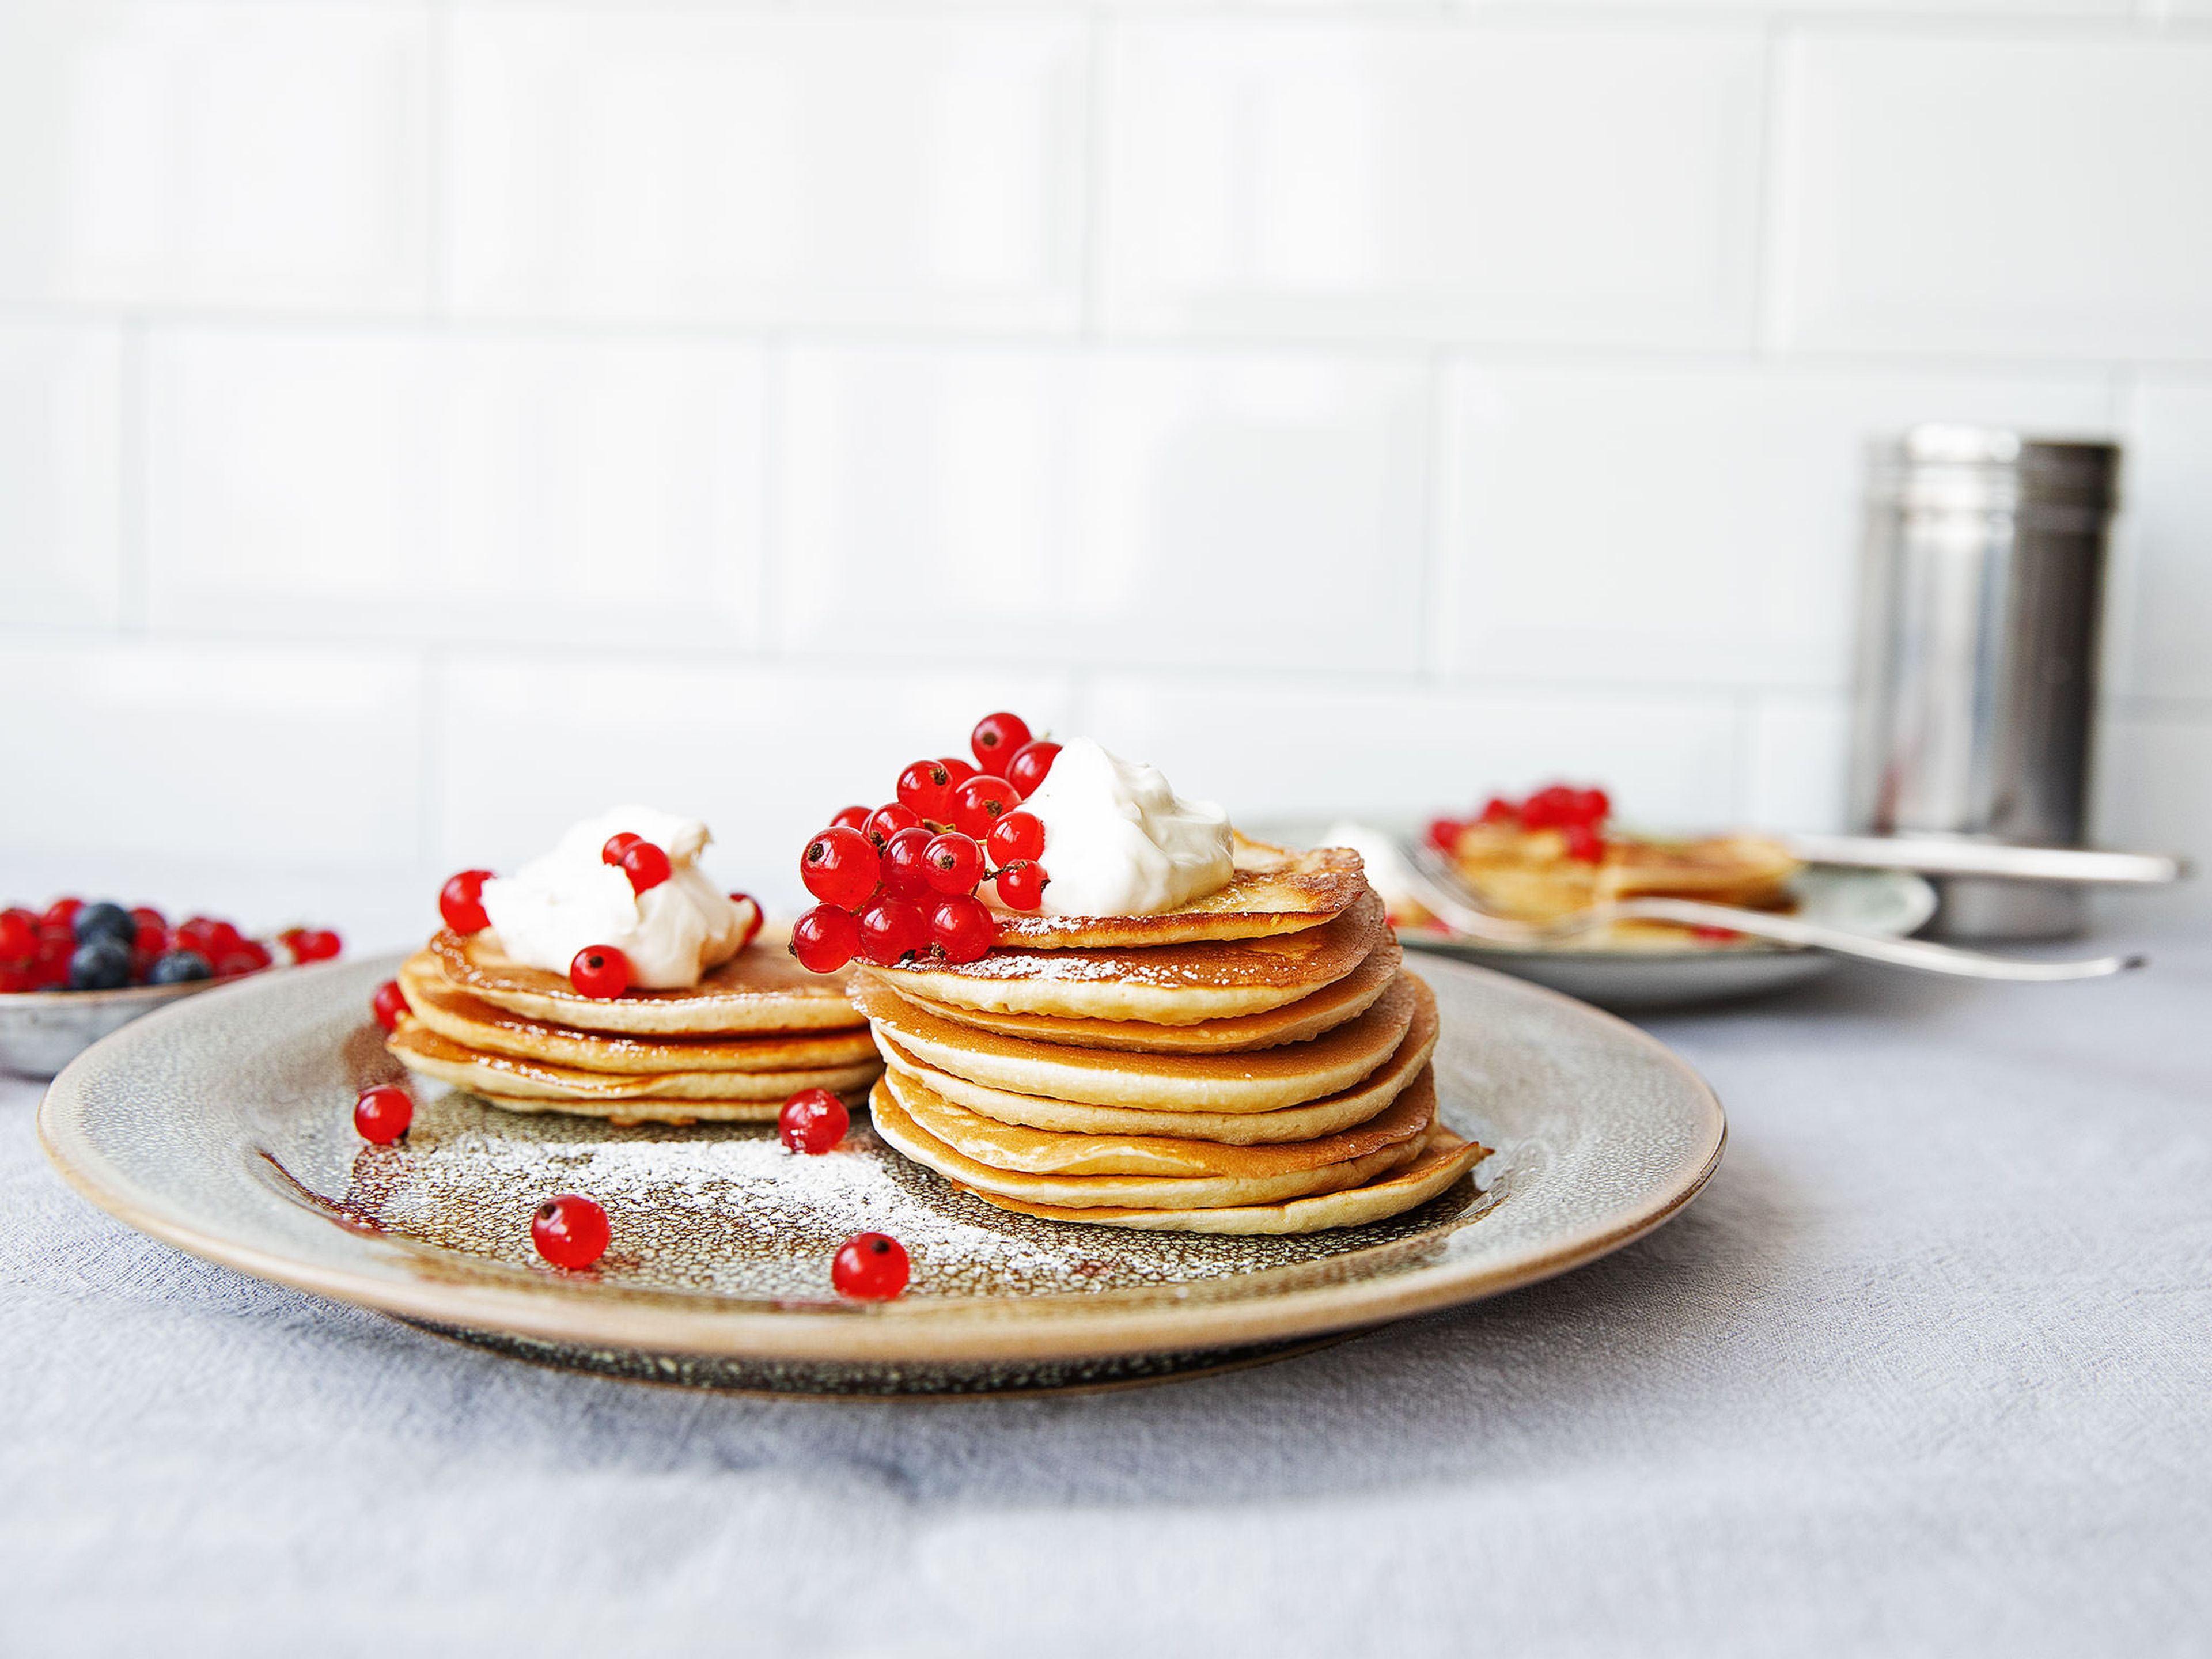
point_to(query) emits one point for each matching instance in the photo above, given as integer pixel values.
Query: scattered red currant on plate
(315, 945)
(888, 820)
(1030, 766)
(905, 867)
(870, 1267)
(570, 1231)
(840, 866)
(981, 802)
(600, 971)
(925, 789)
(383, 1113)
(1017, 836)
(460, 901)
(953, 862)
(962, 929)
(646, 865)
(825, 938)
(812, 1121)
(749, 918)
(388, 1004)
(891, 929)
(997, 740)
(1021, 885)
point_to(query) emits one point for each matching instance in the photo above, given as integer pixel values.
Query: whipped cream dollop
(1118, 841)
(557, 905)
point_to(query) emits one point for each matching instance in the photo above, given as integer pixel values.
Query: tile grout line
(134, 605)
(1439, 588)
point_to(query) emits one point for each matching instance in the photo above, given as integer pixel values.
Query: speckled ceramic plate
(223, 1126)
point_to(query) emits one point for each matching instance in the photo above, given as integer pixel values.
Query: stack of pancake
(1256, 1063)
(1529, 876)
(733, 1048)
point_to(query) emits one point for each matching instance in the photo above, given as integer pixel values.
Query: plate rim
(920, 1332)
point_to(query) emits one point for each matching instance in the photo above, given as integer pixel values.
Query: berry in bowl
(75, 971)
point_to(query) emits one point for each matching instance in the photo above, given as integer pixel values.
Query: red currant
(1714, 935)
(147, 917)
(925, 789)
(953, 862)
(1549, 808)
(981, 802)
(1593, 806)
(870, 1267)
(62, 913)
(888, 820)
(382, 1114)
(1444, 833)
(1021, 885)
(852, 817)
(315, 945)
(232, 964)
(1017, 836)
(388, 1004)
(749, 918)
(825, 938)
(840, 867)
(1584, 844)
(151, 940)
(14, 978)
(600, 971)
(905, 869)
(570, 1231)
(1030, 765)
(210, 938)
(892, 929)
(959, 771)
(812, 1121)
(460, 901)
(646, 865)
(1500, 810)
(19, 935)
(997, 740)
(963, 929)
(617, 844)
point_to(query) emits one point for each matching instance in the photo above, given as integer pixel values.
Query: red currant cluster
(100, 946)
(597, 970)
(1579, 815)
(900, 880)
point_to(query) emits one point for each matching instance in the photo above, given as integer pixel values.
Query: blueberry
(175, 967)
(102, 965)
(106, 920)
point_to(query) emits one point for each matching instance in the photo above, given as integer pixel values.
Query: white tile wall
(61, 473)
(696, 167)
(1104, 507)
(414, 412)
(452, 488)
(1435, 178)
(232, 154)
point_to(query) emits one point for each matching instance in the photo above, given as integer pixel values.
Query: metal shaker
(1979, 611)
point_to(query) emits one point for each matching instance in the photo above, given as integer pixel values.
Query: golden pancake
(1294, 1022)
(1527, 874)
(476, 1023)
(1015, 1149)
(1274, 890)
(629, 1114)
(420, 1049)
(1166, 985)
(762, 988)
(897, 1128)
(1321, 1117)
(1264, 1081)
(1441, 1162)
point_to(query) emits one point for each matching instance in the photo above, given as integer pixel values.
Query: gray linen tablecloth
(1928, 1369)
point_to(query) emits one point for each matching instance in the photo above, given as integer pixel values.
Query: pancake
(1273, 891)
(1441, 1163)
(1527, 874)
(1166, 985)
(762, 988)
(420, 1049)
(475, 1023)
(1016, 1148)
(1296, 1022)
(629, 1114)
(1264, 1081)
(1325, 1116)
(894, 1126)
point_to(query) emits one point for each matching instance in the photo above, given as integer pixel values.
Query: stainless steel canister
(1979, 613)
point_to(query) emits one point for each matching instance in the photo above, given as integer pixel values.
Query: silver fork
(1437, 885)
